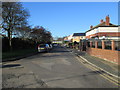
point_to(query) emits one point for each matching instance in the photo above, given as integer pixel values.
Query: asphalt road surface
(57, 69)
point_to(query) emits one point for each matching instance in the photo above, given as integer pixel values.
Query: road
(56, 69)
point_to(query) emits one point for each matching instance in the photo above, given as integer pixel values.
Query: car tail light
(39, 45)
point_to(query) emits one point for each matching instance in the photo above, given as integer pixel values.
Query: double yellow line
(116, 82)
(109, 78)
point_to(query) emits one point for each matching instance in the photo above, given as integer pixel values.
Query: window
(75, 37)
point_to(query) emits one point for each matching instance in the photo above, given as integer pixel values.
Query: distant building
(58, 42)
(104, 30)
(78, 36)
(68, 38)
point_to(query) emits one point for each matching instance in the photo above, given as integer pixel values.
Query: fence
(108, 45)
(117, 45)
(103, 44)
(99, 44)
(105, 49)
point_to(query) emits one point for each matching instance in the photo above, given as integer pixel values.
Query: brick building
(104, 30)
(78, 36)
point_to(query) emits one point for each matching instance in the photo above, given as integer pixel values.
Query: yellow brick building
(78, 36)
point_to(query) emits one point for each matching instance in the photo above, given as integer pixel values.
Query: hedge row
(17, 43)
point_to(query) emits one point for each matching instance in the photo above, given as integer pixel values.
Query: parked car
(42, 48)
(50, 46)
(55, 44)
(47, 47)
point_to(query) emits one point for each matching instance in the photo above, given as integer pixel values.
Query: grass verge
(17, 53)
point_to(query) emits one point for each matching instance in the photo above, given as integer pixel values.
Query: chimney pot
(91, 27)
(101, 21)
(107, 20)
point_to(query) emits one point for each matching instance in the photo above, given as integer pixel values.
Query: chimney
(101, 21)
(107, 21)
(91, 27)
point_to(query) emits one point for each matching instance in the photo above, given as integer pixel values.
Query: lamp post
(79, 44)
(86, 43)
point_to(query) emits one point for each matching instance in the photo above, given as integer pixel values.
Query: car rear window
(42, 45)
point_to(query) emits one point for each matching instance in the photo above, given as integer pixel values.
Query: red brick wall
(109, 55)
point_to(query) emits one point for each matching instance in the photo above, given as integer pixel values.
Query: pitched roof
(79, 34)
(102, 25)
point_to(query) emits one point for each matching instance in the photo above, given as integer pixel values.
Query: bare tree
(40, 34)
(14, 16)
(24, 32)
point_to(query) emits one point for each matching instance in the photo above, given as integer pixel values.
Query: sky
(66, 18)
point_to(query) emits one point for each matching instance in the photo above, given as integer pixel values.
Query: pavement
(108, 67)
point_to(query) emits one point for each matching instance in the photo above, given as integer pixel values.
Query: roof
(102, 25)
(79, 34)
